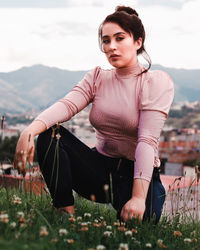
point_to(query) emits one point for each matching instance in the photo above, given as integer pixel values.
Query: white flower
(148, 245)
(63, 232)
(107, 233)
(128, 233)
(20, 214)
(79, 218)
(84, 224)
(4, 218)
(96, 221)
(88, 215)
(123, 246)
(108, 227)
(16, 200)
(159, 241)
(100, 247)
(101, 218)
(43, 231)
(187, 240)
(13, 224)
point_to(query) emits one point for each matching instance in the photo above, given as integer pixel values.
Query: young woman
(129, 107)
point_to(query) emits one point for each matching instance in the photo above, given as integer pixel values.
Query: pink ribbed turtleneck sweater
(128, 112)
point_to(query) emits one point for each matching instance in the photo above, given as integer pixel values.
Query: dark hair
(128, 19)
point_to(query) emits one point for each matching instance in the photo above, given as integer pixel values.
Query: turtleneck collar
(128, 71)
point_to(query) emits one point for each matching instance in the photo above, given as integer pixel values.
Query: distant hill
(39, 86)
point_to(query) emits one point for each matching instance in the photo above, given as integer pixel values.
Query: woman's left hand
(134, 208)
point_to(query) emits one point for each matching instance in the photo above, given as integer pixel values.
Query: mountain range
(39, 86)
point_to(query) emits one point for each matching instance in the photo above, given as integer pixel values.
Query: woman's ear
(138, 43)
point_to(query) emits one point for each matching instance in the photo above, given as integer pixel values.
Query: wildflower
(187, 240)
(54, 240)
(128, 233)
(22, 220)
(16, 200)
(88, 215)
(13, 224)
(96, 221)
(107, 233)
(96, 224)
(79, 218)
(72, 219)
(194, 240)
(84, 228)
(117, 223)
(109, 227)
(4, 218)
(70, 241)
(100, 247)
(123, 246)
(101, 218)
(160, 243)
(134, 231)
(103, 224)
(63, 232)
(43, 231)
(177, 233)
(122, 229)
(148, 245)
(20, 214)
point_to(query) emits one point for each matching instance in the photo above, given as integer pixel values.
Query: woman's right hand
(24, 151)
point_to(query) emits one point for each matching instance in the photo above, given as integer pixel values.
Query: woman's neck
(130, 70)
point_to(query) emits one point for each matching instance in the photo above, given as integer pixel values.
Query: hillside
(39, 86)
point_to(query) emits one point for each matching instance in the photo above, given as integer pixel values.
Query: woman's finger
(31, 155)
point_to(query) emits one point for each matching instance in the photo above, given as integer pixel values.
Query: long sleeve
(77, 99)
(150, 127)
(156, 98)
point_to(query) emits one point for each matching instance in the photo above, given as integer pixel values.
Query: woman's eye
(119, 38)
(105, 41)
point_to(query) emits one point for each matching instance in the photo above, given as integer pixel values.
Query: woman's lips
(114, 57)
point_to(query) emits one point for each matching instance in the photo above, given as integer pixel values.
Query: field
(28, 221)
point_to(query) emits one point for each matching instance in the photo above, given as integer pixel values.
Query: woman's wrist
(140, 188)
(35, 128)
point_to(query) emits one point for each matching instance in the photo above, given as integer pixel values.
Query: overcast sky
(63, 33)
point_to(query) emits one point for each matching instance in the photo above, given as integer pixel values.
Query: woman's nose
(113, 45)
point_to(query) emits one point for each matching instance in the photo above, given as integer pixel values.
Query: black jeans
(68, 164)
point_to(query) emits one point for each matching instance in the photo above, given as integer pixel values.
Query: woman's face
(119, 46)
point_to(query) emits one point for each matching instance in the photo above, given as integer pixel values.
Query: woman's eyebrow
(116, 34)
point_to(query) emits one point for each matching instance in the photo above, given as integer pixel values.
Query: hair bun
(128, 10)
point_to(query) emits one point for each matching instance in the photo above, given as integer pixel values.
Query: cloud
(165, 3)
(67, 37)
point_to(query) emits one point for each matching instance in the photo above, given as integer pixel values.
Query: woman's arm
(150, 126)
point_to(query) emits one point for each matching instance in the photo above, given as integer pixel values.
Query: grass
(38, 227)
